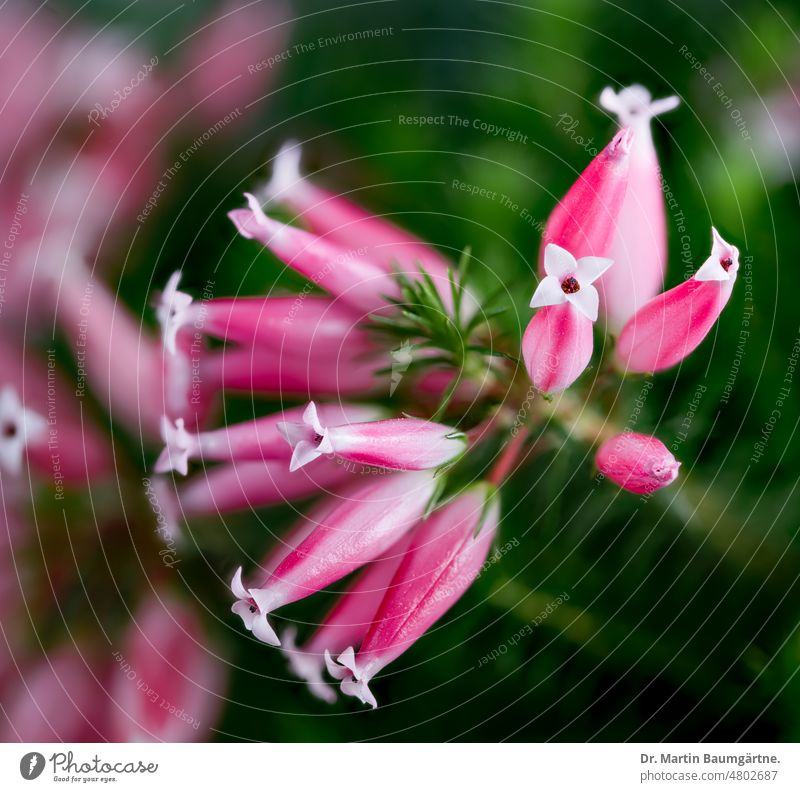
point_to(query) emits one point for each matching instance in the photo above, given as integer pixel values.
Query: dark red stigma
(726, 263)
(570, 285)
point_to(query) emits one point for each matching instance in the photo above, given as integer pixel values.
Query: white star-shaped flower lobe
(635, 103)
(18, 426)
(722, 264)
(252, 607)
(177, 447)
(172, 311)
(309, 439)
(570, 280)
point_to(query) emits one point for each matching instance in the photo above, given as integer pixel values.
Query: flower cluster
(397, 372)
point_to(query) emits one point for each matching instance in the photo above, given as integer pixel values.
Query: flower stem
(508, 457)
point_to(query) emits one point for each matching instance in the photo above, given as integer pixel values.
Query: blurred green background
(682, 617)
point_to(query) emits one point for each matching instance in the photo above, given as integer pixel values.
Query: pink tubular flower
(585, 220)
(348, 274)
(636, 462)
(557, 345)
(369, 520)
(446, 555)
(639, 249)
(395, 443)
(672, 325)
(60, 698)
(239, 486)
(250, 441)
(168, 683)
(346, 624)
(344, 223)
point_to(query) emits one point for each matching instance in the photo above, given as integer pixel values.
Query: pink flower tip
(636, 462)
(178, 444)
(18, 426)
(723, 262)
(354, 682)
(253, 606)
(172, 311)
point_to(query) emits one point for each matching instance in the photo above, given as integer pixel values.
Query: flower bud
(636, 462)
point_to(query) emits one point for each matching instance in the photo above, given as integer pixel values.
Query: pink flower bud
(366, 522)
(345, 224)
(672, 325)
(396, 443)
(250, 441)
(446, 554)
(584, 222)
(557, 345)
(168, 686)
(636, 462)
(346, 624)
(348, 274)
(639, 249)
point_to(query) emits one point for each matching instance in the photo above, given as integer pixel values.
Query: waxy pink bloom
(168, 683)
(249, 441)
(350, 275)
(346, 623)
(557, 345)
(347, 225)
(304, 346)
(672, 325)
(367, 521)
(636, 462)
(60, 698)
(585, 220)
(241, 486)
(639, 249)
(394, 443)
(446, 554)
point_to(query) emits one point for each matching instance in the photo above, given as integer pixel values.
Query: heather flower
(446, 554)
(369, 519)
(639, 249)
(395, 443)
(672, 325)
